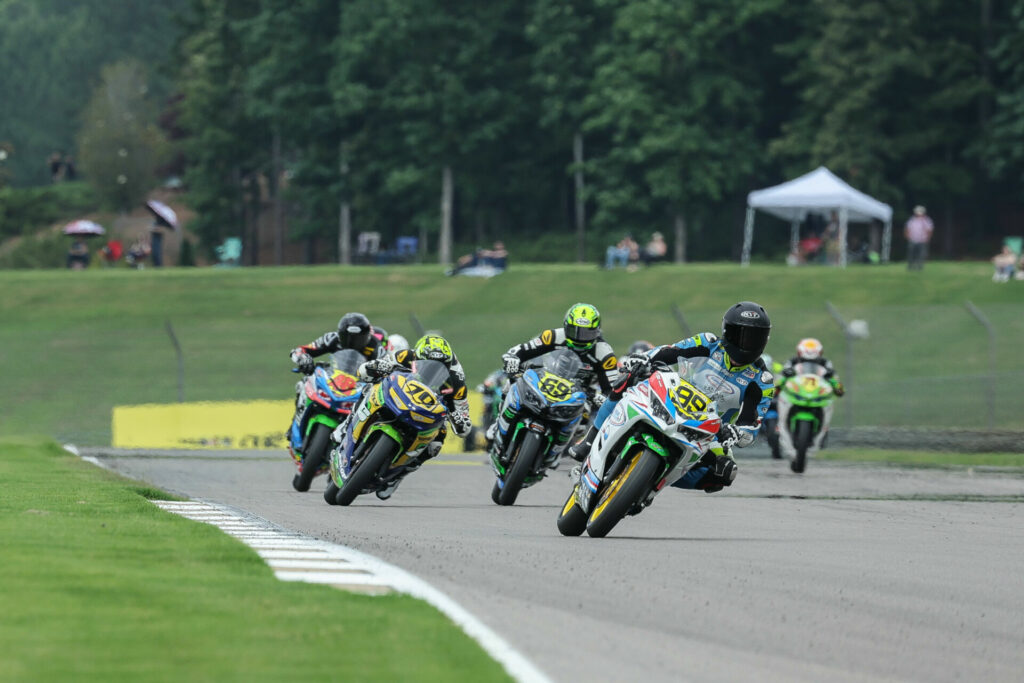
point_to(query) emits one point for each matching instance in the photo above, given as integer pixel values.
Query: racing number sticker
(419, 394)
(810, 382)
(689, 401)
(554, 387)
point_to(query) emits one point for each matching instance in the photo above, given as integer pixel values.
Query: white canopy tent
(819, 192)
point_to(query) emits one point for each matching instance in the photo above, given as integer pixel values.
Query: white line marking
(290, 554)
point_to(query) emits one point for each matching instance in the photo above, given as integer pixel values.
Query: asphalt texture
(845, 573)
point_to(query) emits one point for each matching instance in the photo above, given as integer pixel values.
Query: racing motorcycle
(805, 405)
(394, 422)
(492, 391)
(326, 398)
(770, 428)
(661, 428)
(546, 399)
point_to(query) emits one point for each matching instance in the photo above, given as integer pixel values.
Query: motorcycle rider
(428, 347)
(808, 350)
(354, 332)
(580, 333)
(736, 359)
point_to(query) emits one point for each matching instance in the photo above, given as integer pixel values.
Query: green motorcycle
(805, 411)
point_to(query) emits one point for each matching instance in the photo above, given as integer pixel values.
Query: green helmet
(434, 347)
(582, 326)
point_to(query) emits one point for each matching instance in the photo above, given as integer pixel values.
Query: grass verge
(101, 585)
(925, 458)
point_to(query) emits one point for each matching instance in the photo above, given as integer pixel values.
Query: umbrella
(164, 214)
(83, 228)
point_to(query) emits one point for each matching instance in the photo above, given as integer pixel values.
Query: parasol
(164, 214)
(83, 228)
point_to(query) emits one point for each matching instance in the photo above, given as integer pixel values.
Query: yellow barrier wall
(221, 424)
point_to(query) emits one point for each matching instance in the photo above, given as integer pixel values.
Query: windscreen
(431, 373)
(563, 363)
(347, 361)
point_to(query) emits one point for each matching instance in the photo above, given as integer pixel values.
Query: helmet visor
(582, 335)
(354, 337)
(746, 343)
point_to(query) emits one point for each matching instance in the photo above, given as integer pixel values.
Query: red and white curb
(295, 557)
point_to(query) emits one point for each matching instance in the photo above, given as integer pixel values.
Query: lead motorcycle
(327, 396)
(547, 399)
(661, 428)
(395, 420)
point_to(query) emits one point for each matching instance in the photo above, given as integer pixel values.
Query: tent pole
(844, 217)
(794, 236)
(886, 240)
(748, 236)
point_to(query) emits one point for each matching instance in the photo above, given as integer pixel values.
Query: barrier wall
(222, 424)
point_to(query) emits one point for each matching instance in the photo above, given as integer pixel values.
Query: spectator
(484, 262)
(56, 167)
(69, 168)
(111, 252)
(1006, 265)
(656, 250)
(78, 255)
(156, 244)
(831, 239)
(918, 232)
(496, 256)
(137, 253)
(621, 253)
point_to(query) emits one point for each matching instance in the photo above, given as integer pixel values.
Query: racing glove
(635, 362)
(838, 388)
(375, 369)
(510, 364)
(728, 434)
(304, 361)
(461, 422)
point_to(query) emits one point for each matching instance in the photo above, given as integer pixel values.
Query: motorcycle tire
(801, 441)
(316, 452)
(773, 443)
(496, 493)
(522, 465)
(619, 495)
(573, 520)
(331, 492)
(373, 464)
(469, 443)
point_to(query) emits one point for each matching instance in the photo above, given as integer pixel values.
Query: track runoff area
(848, 572)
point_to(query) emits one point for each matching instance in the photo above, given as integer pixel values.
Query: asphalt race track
(847, 573)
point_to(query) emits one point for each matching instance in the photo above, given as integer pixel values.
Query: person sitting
(112, 251)
(655, 250)
(137, 253)
(1005, 263)
(78, 255)
(621, 253)
(495, 257)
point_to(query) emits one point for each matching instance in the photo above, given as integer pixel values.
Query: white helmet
(809, 349)
(397, 342)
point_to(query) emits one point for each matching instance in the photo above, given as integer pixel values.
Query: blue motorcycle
(326, 398)
(544, 406)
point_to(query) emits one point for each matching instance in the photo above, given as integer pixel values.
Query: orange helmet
(808, 349)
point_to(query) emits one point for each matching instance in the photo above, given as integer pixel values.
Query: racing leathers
(329, 342)
(599, 364)
(742, 396)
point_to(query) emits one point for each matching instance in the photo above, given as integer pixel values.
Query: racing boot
(388, 490)
(581, 449)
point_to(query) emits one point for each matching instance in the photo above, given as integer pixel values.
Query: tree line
(557, 125)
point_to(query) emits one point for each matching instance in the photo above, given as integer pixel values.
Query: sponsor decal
(753, 315)
(767, 377)
(610, 363)
(618, 417)
(546, 336)
(582, 321)
(742, 382)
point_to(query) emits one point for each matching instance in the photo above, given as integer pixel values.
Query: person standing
(918, 232)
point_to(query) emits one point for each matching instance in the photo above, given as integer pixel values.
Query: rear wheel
(316, 453)
(624, 491)
(801, 441)
(331, 492)
(496, 493)
(380, 456)
(573, 520)
(522, 465)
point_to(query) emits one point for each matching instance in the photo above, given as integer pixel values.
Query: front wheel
(380, 456)
(522, 465)
(573, 520)
(801, 441)
(331, 492)
(619, 495)
(317, 450)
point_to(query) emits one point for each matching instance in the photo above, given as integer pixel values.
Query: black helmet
(354, 331)
(745, 330)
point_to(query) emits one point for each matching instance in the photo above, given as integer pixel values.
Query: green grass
(74, 344)
(101, 585)
(925, 458)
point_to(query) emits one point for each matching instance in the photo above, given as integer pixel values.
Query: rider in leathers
(580, 333)
(747, 388)
(429, 347)
(809, 350)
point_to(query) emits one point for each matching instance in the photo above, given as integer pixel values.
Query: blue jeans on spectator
(616, 255)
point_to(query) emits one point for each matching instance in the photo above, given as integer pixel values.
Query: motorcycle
(546, 399)
(326, 398)
(492, 391)
(662, 427)
(770, 428)
(805, 411)
(394, 422)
